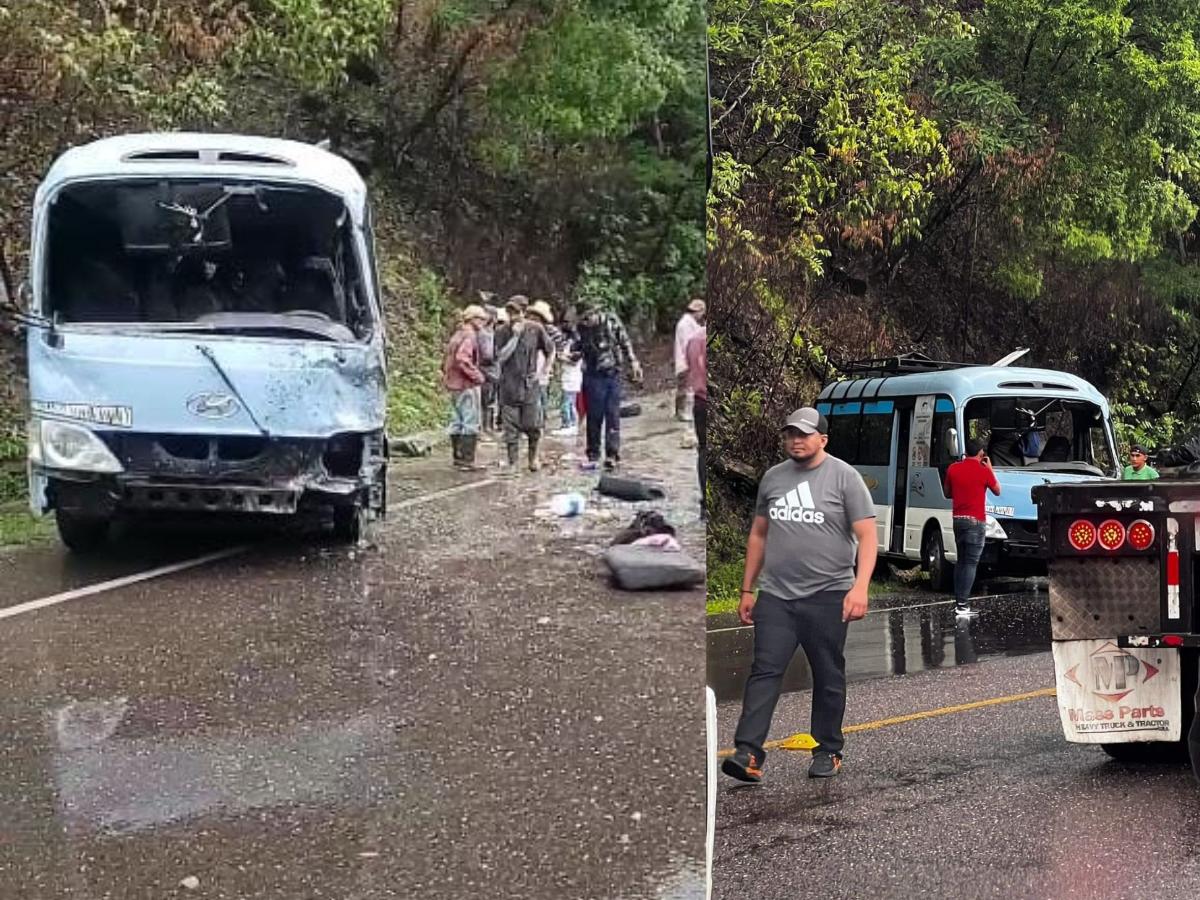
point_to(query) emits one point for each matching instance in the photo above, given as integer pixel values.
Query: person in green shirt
(1137, 470)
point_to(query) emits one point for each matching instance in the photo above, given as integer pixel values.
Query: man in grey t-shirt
(814, 517)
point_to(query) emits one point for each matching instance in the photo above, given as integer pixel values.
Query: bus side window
(875, 440)
(843, 437)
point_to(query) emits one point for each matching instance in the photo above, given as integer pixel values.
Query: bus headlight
(66, 446)
(993, 530)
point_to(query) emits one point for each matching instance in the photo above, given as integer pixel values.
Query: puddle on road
(899, 641)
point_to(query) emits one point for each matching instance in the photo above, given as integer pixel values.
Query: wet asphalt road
(465, 708)
(990, 802)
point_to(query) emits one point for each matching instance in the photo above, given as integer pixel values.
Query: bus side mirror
(952, 442)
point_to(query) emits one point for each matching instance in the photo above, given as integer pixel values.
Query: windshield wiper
(211, 357)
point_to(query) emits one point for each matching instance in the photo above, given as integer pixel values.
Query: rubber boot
(513, 452)
(534, 462)
(469, 444)
(456, 449)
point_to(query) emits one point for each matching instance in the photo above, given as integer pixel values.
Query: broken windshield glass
(1041, 433)
(225, 256)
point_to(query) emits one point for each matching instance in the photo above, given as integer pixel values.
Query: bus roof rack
(901, 364)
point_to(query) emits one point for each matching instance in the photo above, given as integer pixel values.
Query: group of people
(502, 361)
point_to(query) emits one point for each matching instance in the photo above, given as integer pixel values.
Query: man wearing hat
(605, 346)
(462, 375)
(813, 520)
(689, 323)
(519, 343)
(541, 309)
(1138, 469)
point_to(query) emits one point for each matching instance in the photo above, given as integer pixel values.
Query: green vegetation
(18, 527)
(724, 586)
(960, 179)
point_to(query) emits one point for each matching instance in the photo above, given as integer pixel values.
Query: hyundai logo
(212, 406)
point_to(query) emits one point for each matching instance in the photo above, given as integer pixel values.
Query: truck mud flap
(1110, 695)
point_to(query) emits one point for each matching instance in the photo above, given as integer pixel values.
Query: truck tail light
(1082, 534)
(1141, 534)
(1111, 534)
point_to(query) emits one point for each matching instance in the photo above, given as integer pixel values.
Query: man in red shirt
(967, 482)
(462, 376)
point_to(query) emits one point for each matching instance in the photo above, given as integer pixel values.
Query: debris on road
(637, 568)
(568, 505)
(627, 488)
(664, 542)
(644, 524)
(412, 445)
(191, 883)
(629, 410)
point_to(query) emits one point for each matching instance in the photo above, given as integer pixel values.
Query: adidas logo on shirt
(796, 506)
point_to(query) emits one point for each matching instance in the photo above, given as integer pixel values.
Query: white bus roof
(192, 155)
(966, 382)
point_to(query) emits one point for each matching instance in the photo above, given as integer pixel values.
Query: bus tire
(82, 534)
(933, 560)
(349, 524)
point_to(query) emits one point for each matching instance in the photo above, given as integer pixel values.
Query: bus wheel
(349, 523)
(82, 534)
(933, 557)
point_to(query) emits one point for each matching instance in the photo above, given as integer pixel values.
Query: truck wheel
(349, 523)
(1147, 752)
(933, 558)
(82, 534)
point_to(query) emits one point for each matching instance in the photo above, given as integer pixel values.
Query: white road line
(437, 495)
(115, 583)
(126, 580)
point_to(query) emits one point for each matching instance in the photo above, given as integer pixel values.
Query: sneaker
(825, 765)
(964, 612)
(744, 766)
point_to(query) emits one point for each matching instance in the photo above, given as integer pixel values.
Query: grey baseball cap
(807, 420)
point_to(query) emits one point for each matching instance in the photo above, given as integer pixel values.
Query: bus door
(929, 457)
(900, 449)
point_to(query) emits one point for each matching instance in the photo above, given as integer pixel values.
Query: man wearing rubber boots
(462, 376)
(518, 345)
(812, 509)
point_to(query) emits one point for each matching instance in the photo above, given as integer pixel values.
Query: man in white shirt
(689, 323)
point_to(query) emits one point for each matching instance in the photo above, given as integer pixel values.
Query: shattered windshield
(1047, 434)
(206, 255)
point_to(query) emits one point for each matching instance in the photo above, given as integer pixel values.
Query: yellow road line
(802, 741)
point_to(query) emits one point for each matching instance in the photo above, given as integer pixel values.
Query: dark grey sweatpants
(814, 623)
